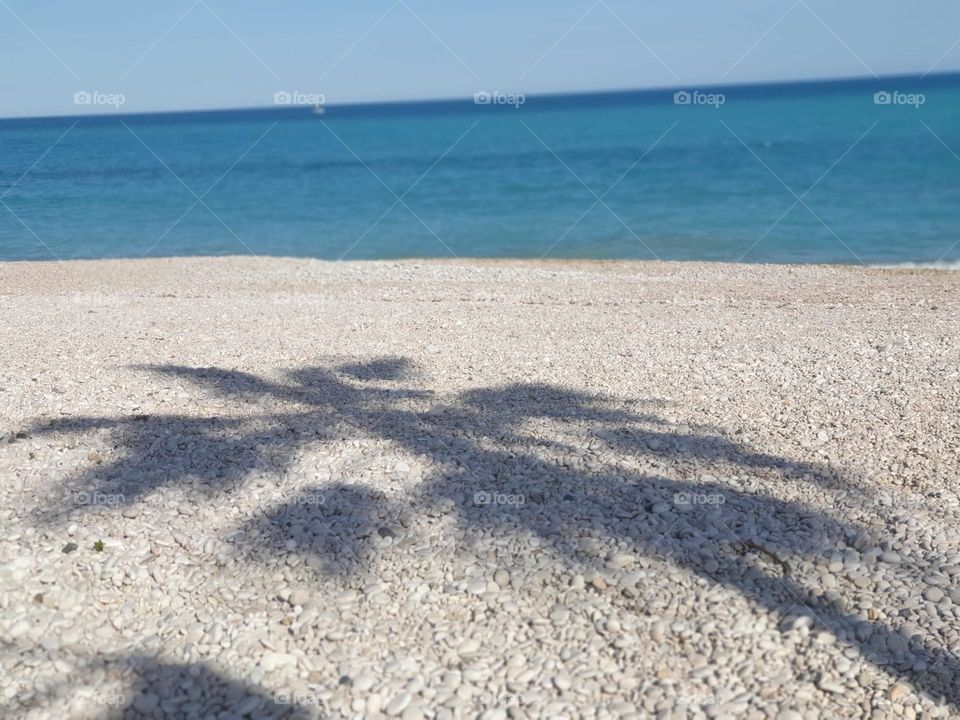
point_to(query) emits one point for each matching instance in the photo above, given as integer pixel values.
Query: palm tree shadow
(162, 680)
(152, 687)
(331, 528)
(496, 442)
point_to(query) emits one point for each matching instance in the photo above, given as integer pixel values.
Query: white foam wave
(949, 265)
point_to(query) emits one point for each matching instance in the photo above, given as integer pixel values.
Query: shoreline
(492, 261)
(518, 279)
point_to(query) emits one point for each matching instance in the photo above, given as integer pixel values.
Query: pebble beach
(255, 488)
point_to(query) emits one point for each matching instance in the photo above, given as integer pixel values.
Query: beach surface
(437, 489)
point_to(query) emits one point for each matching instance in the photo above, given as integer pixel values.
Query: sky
(137, 56)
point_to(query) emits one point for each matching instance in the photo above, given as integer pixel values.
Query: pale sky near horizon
(200, 54)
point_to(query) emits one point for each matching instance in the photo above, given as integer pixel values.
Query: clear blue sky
(177, 54)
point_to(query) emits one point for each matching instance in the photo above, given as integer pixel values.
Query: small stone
(831, 686)
(493, 714)
(19, 629)
(559, 615)
(69, 547)
(299, 597)
(898, 692)
(364, 681)
(897, 644)
(825, 637)
(398, 704)
(796, 622)
(933, 594)
(476, 586)
(413, 712)
(789, 715)
(146, 703)
(247, 706)
(620, 560)
(273, 660)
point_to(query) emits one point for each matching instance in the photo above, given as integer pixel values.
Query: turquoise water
(688, 182)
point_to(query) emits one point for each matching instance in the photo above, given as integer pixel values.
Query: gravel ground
(287, 488)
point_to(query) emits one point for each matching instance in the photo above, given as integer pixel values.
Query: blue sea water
(809, 172)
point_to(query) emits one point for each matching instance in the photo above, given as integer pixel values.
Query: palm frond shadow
(149, 684)
(492, 441)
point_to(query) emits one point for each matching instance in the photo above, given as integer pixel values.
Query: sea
(863, 171)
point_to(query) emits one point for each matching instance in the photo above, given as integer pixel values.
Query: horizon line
(757, 84)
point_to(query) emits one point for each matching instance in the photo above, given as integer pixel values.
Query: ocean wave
(949, 265)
